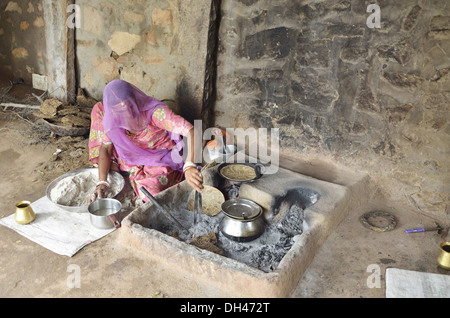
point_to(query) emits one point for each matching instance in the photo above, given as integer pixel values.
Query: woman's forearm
(192, 147)
(104, 162)
(192, 175)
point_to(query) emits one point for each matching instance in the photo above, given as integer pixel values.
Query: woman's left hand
(194, 178)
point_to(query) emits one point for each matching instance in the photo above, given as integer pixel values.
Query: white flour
(75, 190)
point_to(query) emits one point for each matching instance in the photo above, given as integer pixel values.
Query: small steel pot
(242, 221)
(102, 213)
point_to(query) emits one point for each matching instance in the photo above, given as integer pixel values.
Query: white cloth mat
(410, 284)
(58, 230)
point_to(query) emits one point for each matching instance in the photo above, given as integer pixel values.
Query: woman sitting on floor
(133, 132)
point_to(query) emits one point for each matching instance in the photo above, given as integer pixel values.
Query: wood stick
(19, 105)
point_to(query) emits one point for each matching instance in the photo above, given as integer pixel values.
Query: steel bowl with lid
(242, 221)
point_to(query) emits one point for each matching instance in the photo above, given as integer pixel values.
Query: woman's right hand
(104, 165)
(194, 178)
(100, 192)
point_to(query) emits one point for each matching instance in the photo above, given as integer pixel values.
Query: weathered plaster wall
(375, 100)
(160, 46)
(22, 39)
(131, 40)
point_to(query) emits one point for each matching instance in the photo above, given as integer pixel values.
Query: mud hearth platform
(324, 206)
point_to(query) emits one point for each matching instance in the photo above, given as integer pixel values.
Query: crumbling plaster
(160, 46)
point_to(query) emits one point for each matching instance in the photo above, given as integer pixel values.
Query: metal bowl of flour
(71, 191)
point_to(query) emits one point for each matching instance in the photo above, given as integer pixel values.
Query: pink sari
(145, 135)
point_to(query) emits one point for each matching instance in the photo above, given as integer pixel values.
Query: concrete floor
(108, 269)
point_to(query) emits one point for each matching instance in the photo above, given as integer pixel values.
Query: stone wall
(22, 39)
(375, 100)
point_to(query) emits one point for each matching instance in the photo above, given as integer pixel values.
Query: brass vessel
(444, 256)
(24, 213)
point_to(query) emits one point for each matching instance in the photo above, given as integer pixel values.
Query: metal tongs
(198, 209)
(165, 212)
(197, 206)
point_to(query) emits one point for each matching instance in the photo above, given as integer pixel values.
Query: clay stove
(300, 213)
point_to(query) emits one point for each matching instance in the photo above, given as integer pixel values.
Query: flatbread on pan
(212, 200)
(238, 172)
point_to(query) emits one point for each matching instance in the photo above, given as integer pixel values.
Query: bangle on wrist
(188, 165)
(103, 182)
(187, 168)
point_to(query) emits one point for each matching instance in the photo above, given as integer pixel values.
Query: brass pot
(24, 213)
(444, 256)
